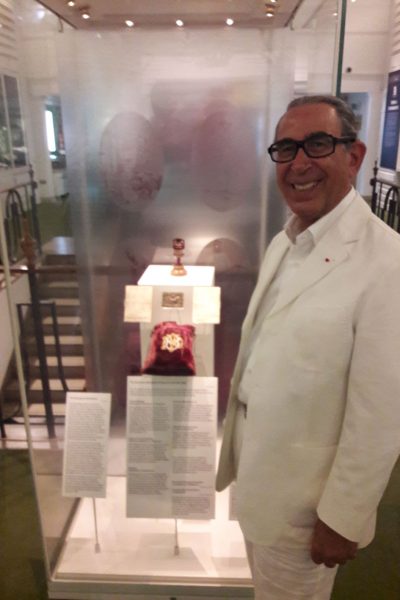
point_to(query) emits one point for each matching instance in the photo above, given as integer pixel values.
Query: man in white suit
(312, 430)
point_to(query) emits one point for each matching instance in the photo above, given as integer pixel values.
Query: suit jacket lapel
(268, 269)
(322, 260)
(330, 252)
(334, 246)
(267, 273)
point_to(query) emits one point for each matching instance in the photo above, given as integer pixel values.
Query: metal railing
(43, 307)
(385, 200)
(29, 248)
(20, 210)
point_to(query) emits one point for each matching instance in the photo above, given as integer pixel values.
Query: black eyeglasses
(316, 145)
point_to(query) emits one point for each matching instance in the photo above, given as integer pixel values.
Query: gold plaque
(172, 300)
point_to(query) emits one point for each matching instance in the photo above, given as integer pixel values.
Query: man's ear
(356, 152)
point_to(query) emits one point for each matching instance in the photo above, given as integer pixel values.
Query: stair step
(59, 246)
(59, 259)
(73, 366)
(36, 389)
(74, 385)
(59, 275)
(70, 325)
(68, 258)
(38, 410)
(71, 345)
(66, 306)
(59, 289)
(66, 325)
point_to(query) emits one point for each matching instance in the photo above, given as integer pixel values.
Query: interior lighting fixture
(229, 21)
(71, 3)
(85, 15)
(129, 23)
(179, 23)
(269, 10)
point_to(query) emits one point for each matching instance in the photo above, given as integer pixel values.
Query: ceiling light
(179, 22)
(129, 23)
(273, 1)
(71, 3)
(229, 21)
(269, 10)
(335, 14)
(85, 15)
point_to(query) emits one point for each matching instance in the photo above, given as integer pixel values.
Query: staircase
(62, 289)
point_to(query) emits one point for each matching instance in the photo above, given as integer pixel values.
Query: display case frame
(98, 272)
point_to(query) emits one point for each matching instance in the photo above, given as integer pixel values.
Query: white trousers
(288, 574)
(283, 573)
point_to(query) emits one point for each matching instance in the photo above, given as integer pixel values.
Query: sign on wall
(391, 128)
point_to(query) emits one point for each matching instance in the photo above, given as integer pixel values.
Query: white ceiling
(111, 14)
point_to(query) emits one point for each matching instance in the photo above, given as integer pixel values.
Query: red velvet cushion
(170, 350)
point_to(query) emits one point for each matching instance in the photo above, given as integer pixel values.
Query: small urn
(178, 245)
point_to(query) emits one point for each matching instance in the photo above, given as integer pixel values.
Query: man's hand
(329, 547)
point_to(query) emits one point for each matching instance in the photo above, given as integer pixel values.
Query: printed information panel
(171, 447)
(87, 426)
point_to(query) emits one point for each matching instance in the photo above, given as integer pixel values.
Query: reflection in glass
(5, 153)
(15, 118)
(55, 132)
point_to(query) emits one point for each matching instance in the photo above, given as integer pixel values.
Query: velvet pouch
(170, 350)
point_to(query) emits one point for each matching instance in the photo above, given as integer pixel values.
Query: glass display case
(166, 134)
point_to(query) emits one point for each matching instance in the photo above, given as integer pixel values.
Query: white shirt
(302, 244)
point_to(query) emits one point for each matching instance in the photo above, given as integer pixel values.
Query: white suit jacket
(322, 432)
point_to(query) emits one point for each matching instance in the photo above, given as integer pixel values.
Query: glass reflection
(15, 119)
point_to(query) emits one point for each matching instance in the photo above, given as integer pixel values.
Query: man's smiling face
(312, 187)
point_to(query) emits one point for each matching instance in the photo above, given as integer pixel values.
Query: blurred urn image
(223, 156)
(131, 160)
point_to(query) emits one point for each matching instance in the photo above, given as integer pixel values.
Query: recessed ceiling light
(229, 21)
(71, 3)
(179, 23)
(335, 14)
(269, 14)
(85, 15)
(129, 23)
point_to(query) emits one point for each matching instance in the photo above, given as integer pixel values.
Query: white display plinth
(133, 551)
(160, 275)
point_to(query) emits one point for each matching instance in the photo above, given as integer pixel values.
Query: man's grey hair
(350, 123)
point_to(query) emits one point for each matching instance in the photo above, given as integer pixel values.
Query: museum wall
(369, 29)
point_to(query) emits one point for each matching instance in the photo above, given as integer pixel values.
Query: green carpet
(22, 573)
(54, 219)
(375, 574)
